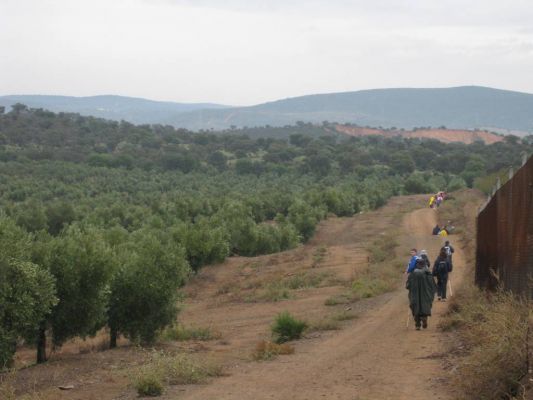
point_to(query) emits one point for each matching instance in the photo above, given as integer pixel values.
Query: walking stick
(408, 318)
(450, 285)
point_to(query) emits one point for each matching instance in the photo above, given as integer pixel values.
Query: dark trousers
(419, 319)
(442, 281)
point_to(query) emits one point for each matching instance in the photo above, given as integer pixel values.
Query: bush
(287, 328)
(149, 384)
(168, 369)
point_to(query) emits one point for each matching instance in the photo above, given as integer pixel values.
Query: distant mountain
(132, 109)
(466, 107)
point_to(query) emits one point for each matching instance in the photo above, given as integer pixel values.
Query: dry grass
(319, 255)
(7, 389)
(324, 324)
(100, 343)
(381, 275)
(183, 333)
(163, 369)
(492, 343)
(491, 331)
(278, 288)
(344, 315)
(266, 350)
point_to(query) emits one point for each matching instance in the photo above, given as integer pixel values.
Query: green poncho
(421, 288)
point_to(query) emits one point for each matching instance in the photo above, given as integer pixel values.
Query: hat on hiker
(423, 252)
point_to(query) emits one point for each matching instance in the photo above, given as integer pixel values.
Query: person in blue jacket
(412, 262)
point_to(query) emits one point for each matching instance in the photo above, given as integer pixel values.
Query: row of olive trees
(66, 273)
(80, 281)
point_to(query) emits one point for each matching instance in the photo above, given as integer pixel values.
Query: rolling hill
(466, 107)
(132, 109)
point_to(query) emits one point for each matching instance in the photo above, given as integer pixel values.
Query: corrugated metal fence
(505, 235)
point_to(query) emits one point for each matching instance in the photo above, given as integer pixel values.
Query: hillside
(468, 107)
(131, 109)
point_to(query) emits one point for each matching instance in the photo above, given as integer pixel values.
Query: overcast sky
(242, 52)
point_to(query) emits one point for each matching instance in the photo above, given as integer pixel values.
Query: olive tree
(27, 292)
(144, 289)
(82, 264)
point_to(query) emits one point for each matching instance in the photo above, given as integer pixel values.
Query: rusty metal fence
(504, 251)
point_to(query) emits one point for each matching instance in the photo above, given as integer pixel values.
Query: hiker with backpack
(424, 256)
(421, 288)
(412, 262)
(441, 270)
(448, 248)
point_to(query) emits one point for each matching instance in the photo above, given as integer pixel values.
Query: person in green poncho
(421, 288)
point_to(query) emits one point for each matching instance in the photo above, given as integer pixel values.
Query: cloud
(244, 52)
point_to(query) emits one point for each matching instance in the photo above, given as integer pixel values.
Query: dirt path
(374, 357)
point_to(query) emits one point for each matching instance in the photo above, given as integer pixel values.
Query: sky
(244, 52)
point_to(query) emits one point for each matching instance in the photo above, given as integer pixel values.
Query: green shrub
(286, 328)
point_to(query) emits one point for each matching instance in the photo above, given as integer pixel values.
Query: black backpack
(442, 268)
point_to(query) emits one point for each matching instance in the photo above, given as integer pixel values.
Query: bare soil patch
(443, 135)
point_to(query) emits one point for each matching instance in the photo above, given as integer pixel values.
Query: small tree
(82, 265)
(144, 290)
(27, 294)
(205, 244)
(26, 290)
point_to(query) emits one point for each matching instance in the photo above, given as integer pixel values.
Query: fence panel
(504, 252)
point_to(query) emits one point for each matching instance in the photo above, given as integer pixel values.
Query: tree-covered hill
(132, 109)
(468, 107)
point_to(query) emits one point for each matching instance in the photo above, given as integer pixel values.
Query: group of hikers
(443, 230)
(436, 200)
(421, 283)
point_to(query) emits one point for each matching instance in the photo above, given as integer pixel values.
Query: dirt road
(375, 357)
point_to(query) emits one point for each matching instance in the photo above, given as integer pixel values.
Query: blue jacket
(412, 264)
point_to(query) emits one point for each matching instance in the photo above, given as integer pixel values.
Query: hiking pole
(408, 318)
(450, 286)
